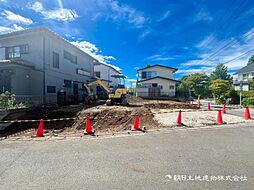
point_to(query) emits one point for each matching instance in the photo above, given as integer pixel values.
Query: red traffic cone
(219, 118)
(224, 108)
(179, 119)
(136, 123)
(40, 129)
(198, 104)
(247, 113)
(88, 126)
(209, 106)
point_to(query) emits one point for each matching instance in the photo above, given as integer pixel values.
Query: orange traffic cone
(219, 118)
(136, 123)
(224, 108)
(247, 113)
(40, 129)
(179, 119)
(209, 106)
(89, 129)
(198, 104)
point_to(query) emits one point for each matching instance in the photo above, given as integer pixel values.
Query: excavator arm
(99, 82)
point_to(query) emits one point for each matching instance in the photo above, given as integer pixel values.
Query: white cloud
(112, 9)
(4, 29)
(158, 58)
(93, 51)
(212, 53)
(126, 12)
(15, 27)
(203, 15)
(206, 41)
(164, 16)
(60, 14)
(16, 18)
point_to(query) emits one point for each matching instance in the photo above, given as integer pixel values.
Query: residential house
(37, 64)
(242, 77)
(156, 81)
(107, 74)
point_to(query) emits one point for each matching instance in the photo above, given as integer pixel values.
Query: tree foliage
(221, 72)
(197, 83)
(220, 87)
(251, 84)
(7, 100)
(251, 60)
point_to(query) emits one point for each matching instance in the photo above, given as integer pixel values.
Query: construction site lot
(153, 114)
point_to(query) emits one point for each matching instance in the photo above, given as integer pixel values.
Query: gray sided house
(37, 64)
(242, 77)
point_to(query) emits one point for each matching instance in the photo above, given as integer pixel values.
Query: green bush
(232, 97)
(247, 94)
(7, 100)
(248, 101)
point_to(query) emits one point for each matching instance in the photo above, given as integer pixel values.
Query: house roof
(45, 29)
(158, 77)
(110, 66)
(157, 65)
(246, 69)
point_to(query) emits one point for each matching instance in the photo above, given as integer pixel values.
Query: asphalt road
(240, 112)
(132, 162)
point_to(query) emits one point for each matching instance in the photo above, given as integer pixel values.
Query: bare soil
(103, 118)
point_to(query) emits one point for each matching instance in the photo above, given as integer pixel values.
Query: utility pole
(241, 89)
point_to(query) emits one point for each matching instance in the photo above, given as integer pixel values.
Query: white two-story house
(156, 81)
(241, 78)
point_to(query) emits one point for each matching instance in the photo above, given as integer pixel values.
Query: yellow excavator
(117, 95)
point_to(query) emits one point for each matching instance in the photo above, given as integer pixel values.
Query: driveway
(156, 160)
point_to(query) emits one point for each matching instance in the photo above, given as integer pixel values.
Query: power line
(252, 50)
(232, 41)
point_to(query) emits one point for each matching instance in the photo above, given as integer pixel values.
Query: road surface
(147, 161)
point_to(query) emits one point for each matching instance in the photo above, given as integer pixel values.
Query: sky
(193, 36)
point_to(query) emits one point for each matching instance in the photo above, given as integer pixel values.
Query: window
(70, 57)
(16, 51)
(148, 75)
(55, 60)
(24, 49)
(51, 89)
(155, 85)
(171, 87)
(13, 52)
(97, 74)
(143, 75)
(2, 53)
(68, 83)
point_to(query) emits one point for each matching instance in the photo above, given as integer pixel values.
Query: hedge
(246, 94)
(248, 101)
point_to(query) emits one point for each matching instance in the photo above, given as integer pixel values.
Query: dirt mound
(114, 120)
(175, 105)
(134, 100)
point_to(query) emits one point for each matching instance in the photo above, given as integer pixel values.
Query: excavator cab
(119, 95)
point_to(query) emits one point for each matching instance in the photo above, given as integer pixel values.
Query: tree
(251, 60)
(221, 72)
(251, 84)
(197, 83)
(220, 88)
